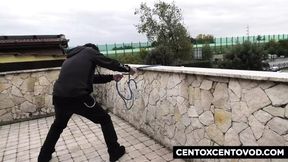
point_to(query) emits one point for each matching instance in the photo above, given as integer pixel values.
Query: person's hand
(117, 77)
(132, 70)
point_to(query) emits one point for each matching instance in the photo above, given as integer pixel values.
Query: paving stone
(156, 147)
(125, 158)
(143, 139)
(82, 140)
(162, 151)
(141, 159)
(149, 142)
(159, 159)
(134, 153)
(146, 150)
(168, 157)
(139, 146)
(151, 156)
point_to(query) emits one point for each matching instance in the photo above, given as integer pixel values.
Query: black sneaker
(45, 157)
(117, 154)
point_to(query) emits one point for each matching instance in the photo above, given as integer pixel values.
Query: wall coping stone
(29, 71)
(243, 74)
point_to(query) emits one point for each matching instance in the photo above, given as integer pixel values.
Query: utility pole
(247, 31)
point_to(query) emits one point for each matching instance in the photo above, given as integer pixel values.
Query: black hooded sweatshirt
(77, 73)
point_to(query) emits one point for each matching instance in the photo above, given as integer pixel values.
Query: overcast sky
(109, 21)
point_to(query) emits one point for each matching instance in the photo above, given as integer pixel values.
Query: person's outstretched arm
(107, 62)
(99, 79)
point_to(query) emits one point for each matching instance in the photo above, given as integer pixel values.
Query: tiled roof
(32, 41)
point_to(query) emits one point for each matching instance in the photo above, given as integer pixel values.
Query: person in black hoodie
(71, 94)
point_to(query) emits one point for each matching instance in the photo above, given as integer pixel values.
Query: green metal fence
(222, 43)
(218, 45)
(124, 48)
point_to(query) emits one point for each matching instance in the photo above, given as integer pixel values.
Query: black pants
(65, 108)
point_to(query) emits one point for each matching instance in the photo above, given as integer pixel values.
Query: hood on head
(74, 51)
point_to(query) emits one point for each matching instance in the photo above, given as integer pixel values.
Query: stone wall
(197, 106)
(174, 105)
(26, 94)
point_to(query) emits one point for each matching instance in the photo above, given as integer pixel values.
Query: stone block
(6, 117)
(278, 94)
(275, 111)
(221, 96)
(17, 81)
(180, 137)
(204, 142)
(206, 84)
(28, 85)
(235, 88)
(222, 119)
(186, 120)
(195, 123)
(278, 125)
(286, 111)
(240, 111)
(16, 92)
(170, 130)
(5, 101)
(215, 134)
(262, 116)
(271, 138)
(192, 112)
(247, 84)
(43, 81)
(231, 138)
(3, 80)
(266, 84)
(256, 126)
(52, 75)
(206, 118)
(27, 107)
(247, 138)
(4, 86)
(256, 99)
(206, 99)
(239, 127)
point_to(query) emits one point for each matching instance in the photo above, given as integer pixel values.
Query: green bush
(130, 59)
(143, 54)
(283, 48)
(278, 48)
(246, 56)
(160, 55)
(207, 52)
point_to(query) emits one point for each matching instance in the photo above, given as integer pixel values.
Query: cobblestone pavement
(82, 140)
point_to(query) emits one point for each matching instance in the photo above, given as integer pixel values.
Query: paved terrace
(82, 140)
